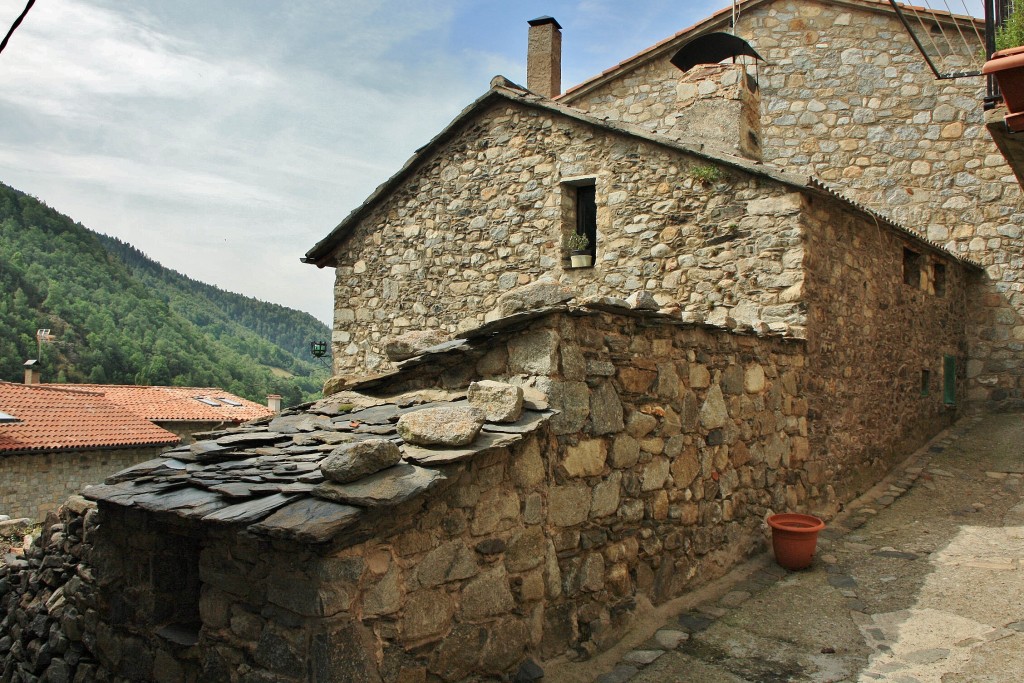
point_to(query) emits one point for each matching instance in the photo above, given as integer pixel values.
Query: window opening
(926, 382)
(939, 279)
(911, 268)
(174, 571)
(586, 215)
(949, 380)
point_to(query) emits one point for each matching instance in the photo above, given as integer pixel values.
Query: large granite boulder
(500, 401)
(352, 461)
(442, 426)
(539, 294)
(411, 344)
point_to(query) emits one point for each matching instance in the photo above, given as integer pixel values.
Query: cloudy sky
(225, 137)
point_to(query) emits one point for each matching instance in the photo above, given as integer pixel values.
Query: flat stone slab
(529, 422)
(125, 493)
(378, 415)
(185, 502)
(303, 422)
(443, 456)
(309, 520)
(389, 487)
(249, 439)
(249, 511)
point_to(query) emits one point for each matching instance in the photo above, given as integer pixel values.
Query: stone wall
(871, 339)
(672, 443)
(37, 483)
(485, 215)
(44, 635)
(847, 98)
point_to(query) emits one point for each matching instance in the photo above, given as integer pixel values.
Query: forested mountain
(120, 318)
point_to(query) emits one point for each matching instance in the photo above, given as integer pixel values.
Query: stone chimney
(544, 57)
(719, 105)
(33, 372)
(274, 402)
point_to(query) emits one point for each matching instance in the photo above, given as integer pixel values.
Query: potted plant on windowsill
(579, 253)
(1007, 66)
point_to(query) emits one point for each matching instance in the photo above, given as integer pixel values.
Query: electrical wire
(16, 24)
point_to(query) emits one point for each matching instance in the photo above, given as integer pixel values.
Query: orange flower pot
(794, 539)
(1007, 66)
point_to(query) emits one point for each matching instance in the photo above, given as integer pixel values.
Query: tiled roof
(52, 418)
(178, 404)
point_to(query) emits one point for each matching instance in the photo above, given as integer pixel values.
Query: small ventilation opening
(911, 268)
(939, 279)
(174, 573)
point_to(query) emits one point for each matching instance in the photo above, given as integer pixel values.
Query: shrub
(706, 174)
(1011, 33)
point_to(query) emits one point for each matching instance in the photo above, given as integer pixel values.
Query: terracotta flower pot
(794, 539)
(1008, 68)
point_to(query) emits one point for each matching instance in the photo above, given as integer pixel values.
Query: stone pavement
(920, 580)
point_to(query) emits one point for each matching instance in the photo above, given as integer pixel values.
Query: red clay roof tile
(177, 404)
(61, 418)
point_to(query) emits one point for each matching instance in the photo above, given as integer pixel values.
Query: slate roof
(503, 90)
(720, 19)
(61, 419)
(266, 476)
(177, 404)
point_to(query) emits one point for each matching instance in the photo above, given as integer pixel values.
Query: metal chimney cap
(32, 362)
(540, 21)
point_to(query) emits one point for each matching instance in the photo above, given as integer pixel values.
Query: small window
(949, 380)
(939, 279)
(208, 401)
(579, 220)
(586, 215)
(229, 402)
(926, 382)
(911, 268)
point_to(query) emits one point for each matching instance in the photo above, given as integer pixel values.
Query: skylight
(208, 401)
(6, 418)
(229, 402)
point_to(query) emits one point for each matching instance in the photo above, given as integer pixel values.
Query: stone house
(66, 436)
(748, 340)
(184, 411)
(59, 440)
(842, 96)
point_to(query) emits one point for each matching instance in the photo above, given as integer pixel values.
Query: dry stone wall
(486, 214)
(876, 344)
(671, 444)
(37, 483)
(846, 97)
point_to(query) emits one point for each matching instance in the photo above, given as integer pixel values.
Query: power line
(16, 24)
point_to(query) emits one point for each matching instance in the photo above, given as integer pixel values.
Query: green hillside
(121, 318)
